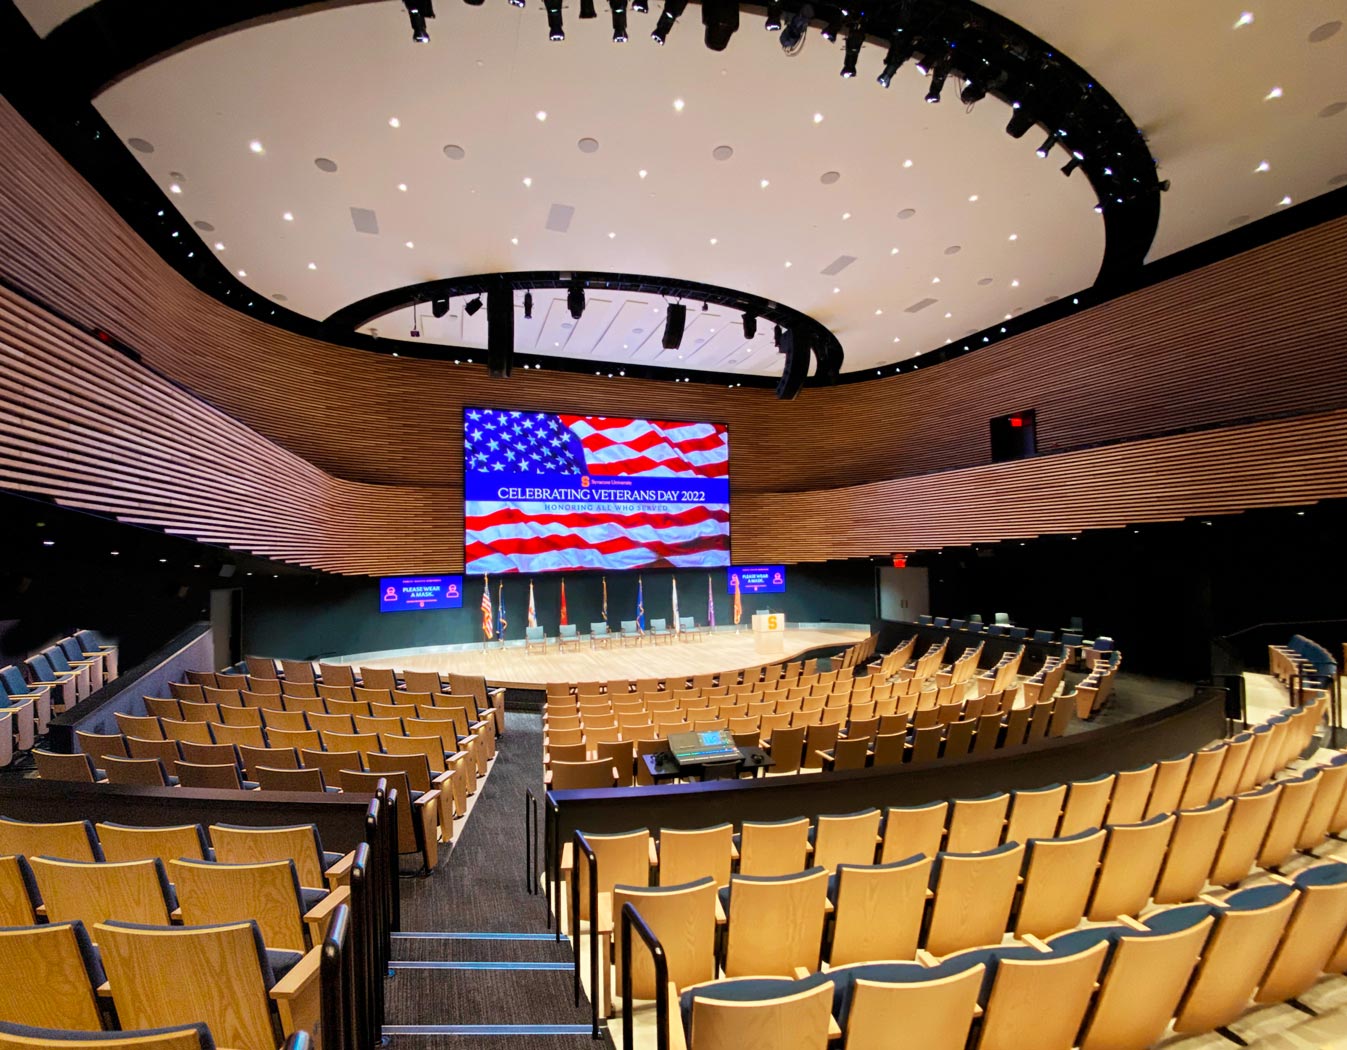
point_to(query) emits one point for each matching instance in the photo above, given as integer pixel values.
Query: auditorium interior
(514, 514)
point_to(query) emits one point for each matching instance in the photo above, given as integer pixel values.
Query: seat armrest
(677, 1039)
(340, 869)
(298, 995)
(654, 854)
(317, 917)
(294, 983)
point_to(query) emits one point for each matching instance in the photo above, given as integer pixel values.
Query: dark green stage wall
(317, 616)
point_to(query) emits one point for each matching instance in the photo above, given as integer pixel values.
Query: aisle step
(488, 1029)
(470, 936)
(441, 965)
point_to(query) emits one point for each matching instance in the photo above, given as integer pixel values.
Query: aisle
(476, 950)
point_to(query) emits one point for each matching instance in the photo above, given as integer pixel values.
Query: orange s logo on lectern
(771, 623)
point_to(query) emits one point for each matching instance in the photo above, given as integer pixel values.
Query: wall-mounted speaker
(500, 330)
(673, 326)
(795, 346)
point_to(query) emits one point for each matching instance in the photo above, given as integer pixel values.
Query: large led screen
(547, 492)
(403, 593)
(756, 579)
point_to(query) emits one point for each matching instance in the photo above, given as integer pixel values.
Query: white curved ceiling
(327, 85)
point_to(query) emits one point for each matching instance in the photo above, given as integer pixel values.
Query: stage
(514, 668)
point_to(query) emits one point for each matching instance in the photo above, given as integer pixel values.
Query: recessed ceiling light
(49, 543)
(836, 290)
(541, 114)
(896, 339)
(948, 316)
(907, 163)
(1014, 237)
(763, 183)
(678, 105)
(1276, 92)
(1284, 202)
(1263, 166)
(1243, 20)
(879, 313)
(973, 198)
(642, 173)
(935, 280)
(818, 118)
(1015, 283)
(219, 246)
(173, 187)
(411, 244)
(402, 186)
(243, 273)
(528, 181)
(893, 251)
(313, 266)
(611, 235)
(255, 146)
(846, 215)
(288, 217)
(393, 122)
(514, 240)
(788, 264)
(713, 240)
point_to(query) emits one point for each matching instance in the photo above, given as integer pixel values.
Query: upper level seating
(66, 672)
(1301, 657)
(991, 908)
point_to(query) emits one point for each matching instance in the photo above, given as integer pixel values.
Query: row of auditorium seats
(58, 677)
(172, 1037)
(1097, 848)
(630, 632)
(1301, 658)
(140, 927)
(771, 674)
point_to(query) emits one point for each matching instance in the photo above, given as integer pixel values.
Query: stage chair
(331, 763)
(1249, 925)
(241, 717)
(19, 898)
(567, 636)
(785, 747)
(684, 918)
(659, 628)
(161, 707)
(573, 776)
(1015, 1017)
(773, 848)
(145, 727)
(130, 891)
(1244, 835)
(138, 772)
(77, 768)
(689, 855)
(123, 842)
(936, 1004)
(317, 869)
(1313, 933)
(913, 829)
(54, 972)
(534, 638)
(879, 910)
(301, 780)
(1192, 851)
(760, 939)
(229, 736)
(973, 896)
(1144, 976)
(976, 824)
(212, 776)
(219, 975)
(851, 838)
(1086, 804)
(1035, 813)
(1288, 819)
(1131, 789)
(1059, 875)
(211, 893)
(1130, 867)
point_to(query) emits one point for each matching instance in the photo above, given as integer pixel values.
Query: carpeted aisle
(521, 980)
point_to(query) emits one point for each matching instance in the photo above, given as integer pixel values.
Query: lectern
(769, 632)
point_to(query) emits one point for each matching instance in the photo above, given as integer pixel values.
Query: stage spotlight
(587, 9)
(899, 52)
(939, 73)
(1046, 148)
(834, 27)
(1070, 166)
(439, 307)
(641, 7)
(792, 37)
(674, 322)
(516, 3)
(575, 300)
(417, 13)
(619, 8)
(773, 23)
(473, 306)
(528, 306)
(855, 38)
(555, 29)
(777, 333)
(721, 19)
(673, 11)
(1021, 120)
(973, 91)
(750, 325)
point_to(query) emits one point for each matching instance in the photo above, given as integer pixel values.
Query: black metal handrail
(592, 865)
(336, 982)
(366, 965)
(531, 844)
(631, 919)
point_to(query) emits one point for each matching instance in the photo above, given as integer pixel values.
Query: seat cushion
(206, 1041)
(282, 962)
(748, 990)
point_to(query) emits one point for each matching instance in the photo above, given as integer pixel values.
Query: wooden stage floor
(514, 668)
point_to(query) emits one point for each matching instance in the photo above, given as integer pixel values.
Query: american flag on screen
(544, 462)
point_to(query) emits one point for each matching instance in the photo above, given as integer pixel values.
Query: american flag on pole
(710, 604)
(533, 614)
(486, 609)
(546, 491)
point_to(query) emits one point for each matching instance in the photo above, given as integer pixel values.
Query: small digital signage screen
(416, 593)
(757, 579)
(550, 492)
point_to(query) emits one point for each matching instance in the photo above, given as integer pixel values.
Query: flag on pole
(500, 609)
(738, 605)
(710, 604)
(640, 605)
(675, 603)
(486, 608)
(533, 615)
(604, 616)
(564, 621)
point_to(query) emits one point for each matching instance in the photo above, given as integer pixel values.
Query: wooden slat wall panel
(1259, 335)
